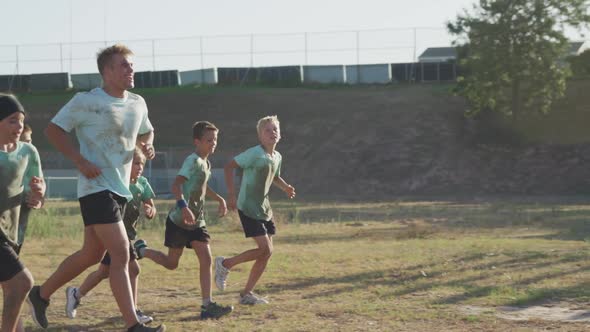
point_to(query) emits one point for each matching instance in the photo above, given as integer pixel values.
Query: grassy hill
(374, 142)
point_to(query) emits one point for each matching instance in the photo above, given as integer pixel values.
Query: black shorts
(254, 227)
(106, 260)
(9, 261)
(178, 237)
(103, 207)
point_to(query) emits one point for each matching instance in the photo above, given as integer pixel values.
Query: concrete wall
(157, 79)
(86, 81)
(200, 76)
(53, 81)
(323, 74)
(368, 74)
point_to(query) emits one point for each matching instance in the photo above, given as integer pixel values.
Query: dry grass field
(497, 264)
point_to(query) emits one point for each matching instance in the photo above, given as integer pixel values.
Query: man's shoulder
(135, 97)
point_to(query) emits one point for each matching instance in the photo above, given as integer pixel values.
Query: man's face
(119, 72)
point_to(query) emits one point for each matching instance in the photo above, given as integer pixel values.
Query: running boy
(25, 210)
(262, 167)
(185, 224)
(18, 162)
(143, 197)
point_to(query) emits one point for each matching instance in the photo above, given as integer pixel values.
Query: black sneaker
(214, 310)
(38, 307)
(138, 246)
(142, 328)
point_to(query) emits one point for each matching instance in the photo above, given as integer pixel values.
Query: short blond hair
(138, 154)
(103, 58)
(265, 120)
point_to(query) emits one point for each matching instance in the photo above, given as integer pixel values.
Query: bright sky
(385, 35)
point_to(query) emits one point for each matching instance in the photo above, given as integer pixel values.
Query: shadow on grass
(482, 283)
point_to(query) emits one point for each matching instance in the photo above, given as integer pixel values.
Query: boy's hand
(231, 203)
(222, 209)
(88, 169)
(187, 216)
(37, 185)
(290, 191)
(34, 200)
(148, 150)
(150, 211)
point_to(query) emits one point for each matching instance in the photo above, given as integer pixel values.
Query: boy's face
(137, 168)
(206, 145)
(270, 133)
(119, 72)
(26, 137)
(12, 127)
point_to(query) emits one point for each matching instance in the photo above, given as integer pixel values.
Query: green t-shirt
(197, 171)
(142, 192)
(107, 129)
(260, 169)
(16, 170)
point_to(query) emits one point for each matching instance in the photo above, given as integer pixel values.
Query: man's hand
(88, 169)
(148, 150)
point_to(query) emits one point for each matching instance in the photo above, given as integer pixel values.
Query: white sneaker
(251, 298)
(221, 273)
(143, 318)
(72, 301)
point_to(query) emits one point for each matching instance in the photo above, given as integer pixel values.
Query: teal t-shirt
(260, 169)
(16, 170)
(107, 129)
(197, 171)
(141, 191)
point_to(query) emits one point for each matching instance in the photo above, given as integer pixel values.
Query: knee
(172, 265)
(20, 284)
(134, 270)
(265, 252)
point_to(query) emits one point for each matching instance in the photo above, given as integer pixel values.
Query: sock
(206, 301)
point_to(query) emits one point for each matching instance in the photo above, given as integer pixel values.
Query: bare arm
(222, 206)
(187, 215)
(60, 140)
(228, 171)
(146, 143)
(284, 186)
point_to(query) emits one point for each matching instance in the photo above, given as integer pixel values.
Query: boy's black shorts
(103, 207)
(255, 227)
(106, 260)
(9, 262)
(178, 237)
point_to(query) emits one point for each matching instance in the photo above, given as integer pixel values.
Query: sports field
(489, 264)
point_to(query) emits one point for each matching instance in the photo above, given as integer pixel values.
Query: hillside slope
(360, 143)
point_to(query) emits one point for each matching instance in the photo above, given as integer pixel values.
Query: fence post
(61, 58)
(17, 60)
(251, 50)
(153, 55)
(202, 60)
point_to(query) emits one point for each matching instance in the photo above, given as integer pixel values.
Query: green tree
(512, 53)
(580, 65)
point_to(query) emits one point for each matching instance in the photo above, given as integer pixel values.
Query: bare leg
(260, 255)
(203, 252)
(114, 239)
(15, 292)
(91, 253)
(169, 261)
(93, 279)
(265, 246)
(134, 271)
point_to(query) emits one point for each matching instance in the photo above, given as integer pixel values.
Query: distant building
(446, 54)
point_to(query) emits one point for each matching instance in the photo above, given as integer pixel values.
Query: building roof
(439, 52)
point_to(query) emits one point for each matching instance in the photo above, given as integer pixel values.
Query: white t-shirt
(107, 129)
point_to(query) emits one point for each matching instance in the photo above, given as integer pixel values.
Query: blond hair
(103, 58)
(265, 120)
(138, 154)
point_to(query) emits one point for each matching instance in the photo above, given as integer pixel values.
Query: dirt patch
(558, 313)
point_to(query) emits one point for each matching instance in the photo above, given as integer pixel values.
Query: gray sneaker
(221, 273)
(251, 298)
(72, 301)
(143, 318)
(38, 307)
